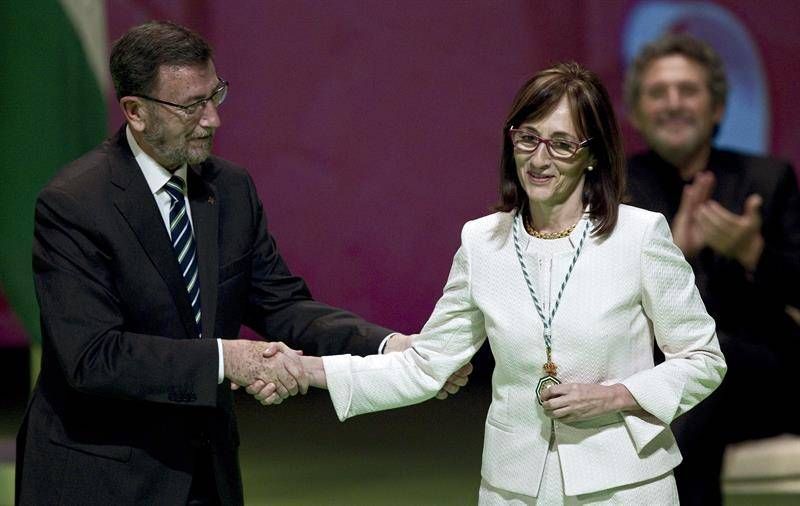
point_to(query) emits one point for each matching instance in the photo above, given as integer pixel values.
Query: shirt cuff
(382, 346)
(221, 368)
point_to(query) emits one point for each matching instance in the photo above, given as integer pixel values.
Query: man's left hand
(733, 235)
(455, 382)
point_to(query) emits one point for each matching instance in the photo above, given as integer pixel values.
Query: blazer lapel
(133, 199)
(205, 217)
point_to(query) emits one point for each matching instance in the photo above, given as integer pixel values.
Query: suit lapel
(133, 199)
(205, 217)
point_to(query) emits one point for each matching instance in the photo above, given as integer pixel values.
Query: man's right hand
(247, 362)
(686, 232)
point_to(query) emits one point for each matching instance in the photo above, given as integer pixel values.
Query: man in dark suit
(737, 220)
(148, 254)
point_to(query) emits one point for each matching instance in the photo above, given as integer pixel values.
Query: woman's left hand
(575, 402)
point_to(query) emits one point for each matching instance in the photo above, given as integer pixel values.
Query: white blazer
(626, 290)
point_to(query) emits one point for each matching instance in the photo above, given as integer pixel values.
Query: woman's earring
(589, 168)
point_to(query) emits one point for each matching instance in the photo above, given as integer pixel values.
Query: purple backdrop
(372, 129)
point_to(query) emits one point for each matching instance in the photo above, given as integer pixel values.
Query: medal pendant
(545, 382)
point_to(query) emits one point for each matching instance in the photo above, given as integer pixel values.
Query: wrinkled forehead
(186, 81)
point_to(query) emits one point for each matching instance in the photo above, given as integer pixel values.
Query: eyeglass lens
(528, 141)
(217, 97)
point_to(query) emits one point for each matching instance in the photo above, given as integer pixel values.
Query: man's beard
(175, 154)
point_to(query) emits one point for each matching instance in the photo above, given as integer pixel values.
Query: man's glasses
(527, 142)
(217, 97)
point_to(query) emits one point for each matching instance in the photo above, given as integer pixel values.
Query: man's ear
(135, 112)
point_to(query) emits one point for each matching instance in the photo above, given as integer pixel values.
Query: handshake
(272, 372)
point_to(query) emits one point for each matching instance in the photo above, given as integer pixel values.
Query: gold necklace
(549, 235)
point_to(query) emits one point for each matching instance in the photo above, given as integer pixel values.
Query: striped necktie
(180, 230)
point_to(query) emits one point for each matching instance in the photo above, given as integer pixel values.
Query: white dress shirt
(156, 177)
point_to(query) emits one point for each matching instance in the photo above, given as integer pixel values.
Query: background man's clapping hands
(701, 221)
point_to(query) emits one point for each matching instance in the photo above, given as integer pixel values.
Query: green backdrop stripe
(53, 111)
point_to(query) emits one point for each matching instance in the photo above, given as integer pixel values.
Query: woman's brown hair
(594, 119)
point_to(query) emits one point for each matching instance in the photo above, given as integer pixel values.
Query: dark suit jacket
(750, 304)
(127, 396)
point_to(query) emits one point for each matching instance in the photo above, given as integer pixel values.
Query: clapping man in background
(736, 218)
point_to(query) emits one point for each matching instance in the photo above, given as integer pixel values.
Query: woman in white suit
(572, 290)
